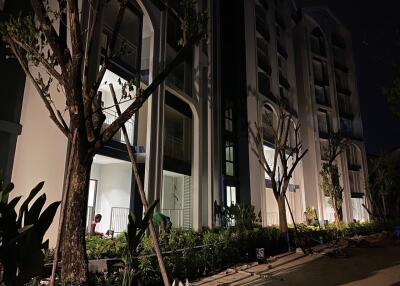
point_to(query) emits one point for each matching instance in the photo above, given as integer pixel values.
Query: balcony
(175, 148)
(119, 136)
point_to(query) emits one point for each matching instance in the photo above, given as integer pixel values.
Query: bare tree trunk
(73, 254)
(62, 211)
(283, 226)
(337, 218)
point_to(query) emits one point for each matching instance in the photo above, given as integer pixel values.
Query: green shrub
(191, 254)
(98, 247)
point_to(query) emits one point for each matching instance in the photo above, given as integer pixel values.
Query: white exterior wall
(40, 153)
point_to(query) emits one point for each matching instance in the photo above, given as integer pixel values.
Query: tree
(286, 157)
(331, 177)
(35, 42)
(393, 94)
(383, 187)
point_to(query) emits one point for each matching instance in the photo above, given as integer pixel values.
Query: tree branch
(89, 41)
(75, 29)
(58, 47)
(50, 69)
(61, 125)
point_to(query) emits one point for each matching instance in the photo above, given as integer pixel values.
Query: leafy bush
(22, 245)
(98, 247)
(191, 254)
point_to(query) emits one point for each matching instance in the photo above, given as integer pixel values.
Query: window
(323, 123)
(267, 121)
(261, 22)
(282, 65)
(321, 95)
(229, 158)
(228, 116)
(262, 55)
(354, 181)
(346, 126)
(318, 43)
(178, 135)
(324, 147)
(263, 83)
(182, 76)
(351, 154)
(320, 72)
(230, 195)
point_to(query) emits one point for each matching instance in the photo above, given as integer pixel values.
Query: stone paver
(364, 266)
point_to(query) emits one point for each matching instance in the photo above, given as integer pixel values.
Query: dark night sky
(373, 25)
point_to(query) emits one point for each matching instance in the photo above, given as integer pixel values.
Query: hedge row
(190, 254)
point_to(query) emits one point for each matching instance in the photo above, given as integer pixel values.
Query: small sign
(260, 254)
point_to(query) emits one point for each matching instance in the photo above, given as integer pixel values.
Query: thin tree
(331, 177)
(382, 187)
(287, 156)
(51, 59)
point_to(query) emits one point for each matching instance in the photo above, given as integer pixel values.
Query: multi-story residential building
(328, 101)
(171, 133)
(304, 58)
(191, 137)
(257, 68)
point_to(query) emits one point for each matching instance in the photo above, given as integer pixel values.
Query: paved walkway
(378, 266)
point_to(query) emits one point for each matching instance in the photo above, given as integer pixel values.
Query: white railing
(129, 125)
(175, 215)
(119, 219)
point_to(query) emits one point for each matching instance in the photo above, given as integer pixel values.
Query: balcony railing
(119, 219)
(119, 136)
(175, 148)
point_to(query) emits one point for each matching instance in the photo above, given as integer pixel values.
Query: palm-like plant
(22, 250)
(136, 231)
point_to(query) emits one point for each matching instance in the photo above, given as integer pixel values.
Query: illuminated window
(230, 195)
(229, 158)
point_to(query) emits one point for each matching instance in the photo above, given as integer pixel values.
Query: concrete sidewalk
(363, 266)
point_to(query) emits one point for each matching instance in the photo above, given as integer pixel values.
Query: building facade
(303, 59)
(328, 97)
(191, 137)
